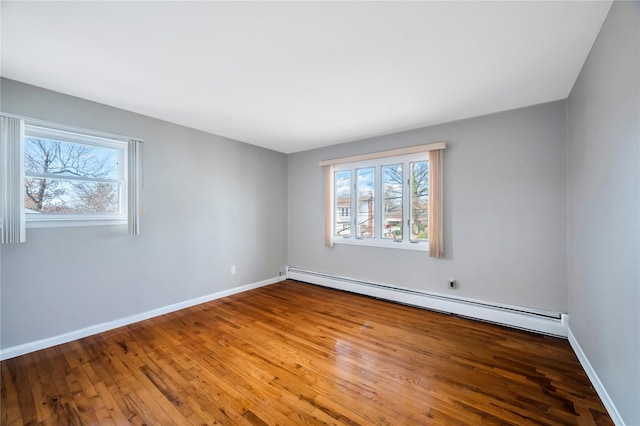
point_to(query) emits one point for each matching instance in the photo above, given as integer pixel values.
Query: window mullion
(377, 198)
(354, 204)
(406, 202)
(72, 177)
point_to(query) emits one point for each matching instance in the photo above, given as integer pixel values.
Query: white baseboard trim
(538, 321)
(595, 380)
(26, 348)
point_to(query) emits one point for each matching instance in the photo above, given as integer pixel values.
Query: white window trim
(86, 137)
(377, 161)
(379, 242)
(64, 221)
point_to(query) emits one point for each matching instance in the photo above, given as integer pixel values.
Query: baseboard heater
(552, 323)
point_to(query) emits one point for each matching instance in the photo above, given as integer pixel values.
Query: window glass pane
(419, 186)
(342, 203)
(48, 156)
(65, 196)
(366, 209)
(392, 202)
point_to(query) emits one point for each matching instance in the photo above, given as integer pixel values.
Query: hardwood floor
(293, 353)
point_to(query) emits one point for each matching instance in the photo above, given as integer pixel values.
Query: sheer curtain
(12, 180)
(134, 181)
(328, 205)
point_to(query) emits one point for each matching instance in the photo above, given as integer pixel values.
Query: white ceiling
(291, 76)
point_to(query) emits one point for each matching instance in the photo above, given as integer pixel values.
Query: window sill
(73, 222)
(370, 242)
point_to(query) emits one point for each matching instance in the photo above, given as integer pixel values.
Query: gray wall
(210, 203)
(504, 211)
(604, 208)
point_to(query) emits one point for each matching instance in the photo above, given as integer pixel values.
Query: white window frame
(377, 240)
(84, 137)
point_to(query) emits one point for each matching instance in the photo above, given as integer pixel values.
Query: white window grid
(377, 241)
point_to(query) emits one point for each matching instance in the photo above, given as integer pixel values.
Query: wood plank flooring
(294, 353)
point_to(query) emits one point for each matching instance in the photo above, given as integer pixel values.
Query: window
(342, 203)
(386, 199)
(392, 203)
(366, 186)
(53, 175)
(419, 202)
(403, 199)
(73, 178)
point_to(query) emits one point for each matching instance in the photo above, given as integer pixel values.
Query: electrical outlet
(452, 283)
(233, 270)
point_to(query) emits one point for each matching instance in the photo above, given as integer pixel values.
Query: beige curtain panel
(328, 205)
(435, 203)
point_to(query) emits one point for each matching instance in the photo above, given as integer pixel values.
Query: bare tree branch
(50, 157)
